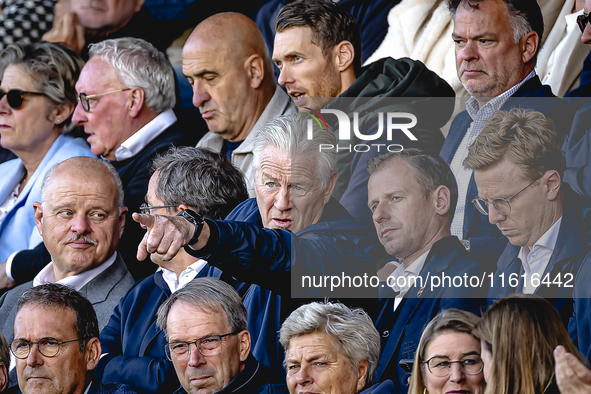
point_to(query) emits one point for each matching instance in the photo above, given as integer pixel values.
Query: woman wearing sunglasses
(37, 99)
(448, 356)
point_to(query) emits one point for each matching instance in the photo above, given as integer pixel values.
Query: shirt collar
(414, 269)
(176, 283)
(547, 240)
(497, 102)
(78, 281)
(141, 138)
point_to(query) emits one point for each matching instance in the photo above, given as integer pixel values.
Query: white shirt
(463, 175)
(78, 281)
(176, 283)
(536, 260)
(403, 285)
(134, 144)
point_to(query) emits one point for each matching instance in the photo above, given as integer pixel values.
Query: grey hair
(85, 162)
(211, 294)
(204, 180)
(54, 69)
(289, 134)
(352, 330)
(138, 63)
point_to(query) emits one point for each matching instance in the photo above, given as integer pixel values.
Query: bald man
(227, 63)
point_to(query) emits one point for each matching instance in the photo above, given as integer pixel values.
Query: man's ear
(345, 54)
(530, 43)
(553, 184)
(3, 376)
(92, 353)
(362, 377)
(136, 101)
(38, 208)
(255, 69)
(121, 220)
(330, 187)
(244, 338)
(442, 200)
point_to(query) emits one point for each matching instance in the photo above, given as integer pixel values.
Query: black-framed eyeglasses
(146, 209)
(502, 205)
(84, 98)
(582, 21)
(48, 347)
(441, 366)
(208, 346)
(16, 97)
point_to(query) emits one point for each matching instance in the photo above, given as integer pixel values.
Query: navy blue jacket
(401, 330)
(486, 241)
(253, 379)
(577, 152)
(273, 259)
(580, 323)
(135, 174)
(566, 259)
(135, 344)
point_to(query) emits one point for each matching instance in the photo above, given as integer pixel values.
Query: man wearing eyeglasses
(518, 168)
(126, 94)
(186, 181)
(496, 48)
(208, 341)
(56, 343)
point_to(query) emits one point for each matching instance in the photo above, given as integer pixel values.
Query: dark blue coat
(135, 344)
(580, 323)
(566, 259)
(253, 379)
(273, 259)
(401, 330)
(486, 241)
(577, 152)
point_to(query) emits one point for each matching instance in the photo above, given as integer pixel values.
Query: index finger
(146, 220)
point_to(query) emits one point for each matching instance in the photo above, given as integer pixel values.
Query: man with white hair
(293, 227)
(126, 94)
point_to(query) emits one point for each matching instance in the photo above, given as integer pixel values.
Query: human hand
(166, 235)
(572, 376)
(66, 29)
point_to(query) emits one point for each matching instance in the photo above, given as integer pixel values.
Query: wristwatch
(196, 220)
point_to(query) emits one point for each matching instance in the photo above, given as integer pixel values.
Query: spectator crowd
(313, 196)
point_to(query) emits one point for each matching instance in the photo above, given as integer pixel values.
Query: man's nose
(81, 224)
(285, 76)
(79, 116)
(379, 214)
(195, 357)
(469, 51)
(283, 199)
(200, 95)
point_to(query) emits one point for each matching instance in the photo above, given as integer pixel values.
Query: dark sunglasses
(15, 97)
(582, 21)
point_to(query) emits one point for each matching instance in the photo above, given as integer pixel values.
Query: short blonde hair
(448, 320)
(523, 137)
